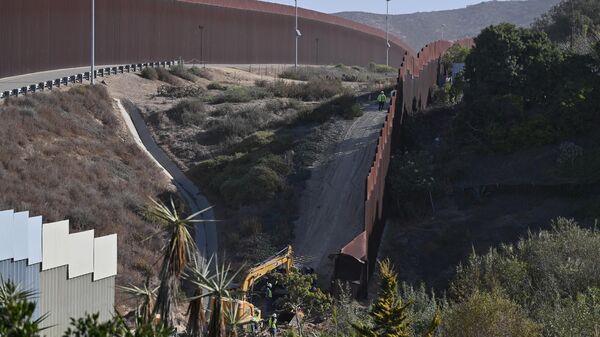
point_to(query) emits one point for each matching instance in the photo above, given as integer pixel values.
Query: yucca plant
(217, 287)
(234, 318)
(177, 252)
(197, 271)
(16, 312)
(145, 296)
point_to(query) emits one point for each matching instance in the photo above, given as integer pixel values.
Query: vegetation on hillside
(61, 148)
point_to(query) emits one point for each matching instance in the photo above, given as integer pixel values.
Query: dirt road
(332, 205)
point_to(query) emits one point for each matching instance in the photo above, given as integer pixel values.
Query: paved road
(332, 206)
(206, 232)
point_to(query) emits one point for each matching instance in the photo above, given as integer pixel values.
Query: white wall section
(34, 247)
(20, 237)
(55, 244)
(80, 253)
(6, 221)
(105, 257)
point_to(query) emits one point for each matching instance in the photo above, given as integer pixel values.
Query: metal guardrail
(79, 78)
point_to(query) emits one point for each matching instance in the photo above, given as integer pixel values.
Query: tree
(177, 252)
(489, 315)
(571, 20)
(455, 54)
(511, 61)
(389, 315)
(303, 293)
(146, 297)
(197, 272)
(16, 312)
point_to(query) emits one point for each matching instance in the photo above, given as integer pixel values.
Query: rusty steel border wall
(40, 35)
(416, 78)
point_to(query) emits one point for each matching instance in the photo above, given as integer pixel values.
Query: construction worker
(255, 324)
(268, 298)
(272, 325)
(381, 99)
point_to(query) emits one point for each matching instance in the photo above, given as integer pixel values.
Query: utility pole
(202, 45)
(387, 33)
(443, 26)
(93, 43)
(298, 34)
(572, 24)
(317, 56)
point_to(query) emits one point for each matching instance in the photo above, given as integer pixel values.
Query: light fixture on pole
(443, 26)
(298, 34)
(387, 33)
(93, 42)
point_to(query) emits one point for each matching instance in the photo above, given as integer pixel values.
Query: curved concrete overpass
(39, 35)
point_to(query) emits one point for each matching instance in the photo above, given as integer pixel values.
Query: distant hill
(417, 29)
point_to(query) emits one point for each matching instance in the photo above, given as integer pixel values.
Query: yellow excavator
(246, 310)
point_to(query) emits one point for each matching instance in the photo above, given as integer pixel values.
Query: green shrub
(182, 72)
(538, 270)
(150, 74)
(179, 92)
(574, 317)
(188, 112)
(166, 76)
(381, 68)
(487, 314)
(216, 86)
(256, 141)
(240, 95)
(201, 72)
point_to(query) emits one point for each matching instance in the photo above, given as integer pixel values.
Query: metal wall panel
(34, 246)
(105, 257)
(55, 250)
(6, 224)
(80, 250)
(27, 277)
(64, 298)
(39, 35)
(19, 236)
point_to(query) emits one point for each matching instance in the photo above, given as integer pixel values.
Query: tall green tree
(571, 20)
(16, 312)
(389, 315)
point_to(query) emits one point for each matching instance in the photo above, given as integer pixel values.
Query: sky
(378, 6)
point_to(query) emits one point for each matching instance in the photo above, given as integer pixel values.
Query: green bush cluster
(188, 112)
(240, 95)
(522, 90)
(179, 92)
(339, 72)
(150, 74)
(182, 72)
(313, 90)
(216, 86)
(245, 179)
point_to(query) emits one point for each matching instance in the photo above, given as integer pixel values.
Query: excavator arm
(282, 258)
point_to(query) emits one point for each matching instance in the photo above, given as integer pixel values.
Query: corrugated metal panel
(63, 299)
(27, 277)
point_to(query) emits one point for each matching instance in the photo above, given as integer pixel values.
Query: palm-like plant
(145, 296)
(217, 287)
(16, 312)
(235, 318)
(178, 251)
(199, 270)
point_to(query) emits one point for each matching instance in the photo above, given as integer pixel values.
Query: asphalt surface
(205, 232)
(332, 205)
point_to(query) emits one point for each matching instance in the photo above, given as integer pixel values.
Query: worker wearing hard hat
(272, 325)
(381, 100)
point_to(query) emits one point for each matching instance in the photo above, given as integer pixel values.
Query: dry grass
(65, 155)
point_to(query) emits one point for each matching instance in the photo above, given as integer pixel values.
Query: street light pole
(93, 43)
(202, 45)
(443, 26)
(387, 33)
(317, 57)
(297, 33)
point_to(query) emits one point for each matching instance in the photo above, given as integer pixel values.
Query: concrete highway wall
(38, 35)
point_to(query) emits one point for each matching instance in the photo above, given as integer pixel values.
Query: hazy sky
(378, 6)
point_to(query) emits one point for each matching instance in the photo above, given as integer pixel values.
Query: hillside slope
(420, 28)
